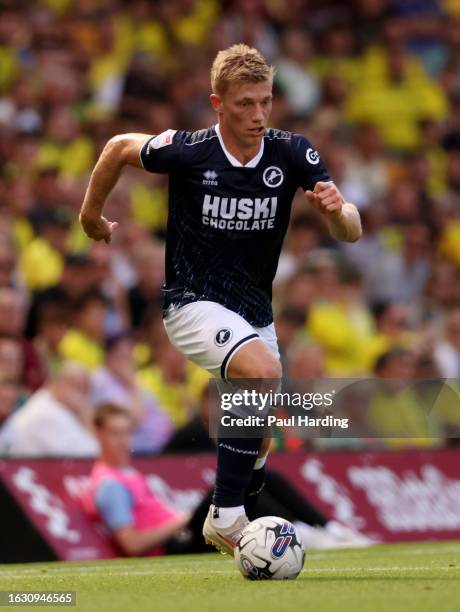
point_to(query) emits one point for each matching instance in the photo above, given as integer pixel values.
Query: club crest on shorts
(223, 336)
(273, 176)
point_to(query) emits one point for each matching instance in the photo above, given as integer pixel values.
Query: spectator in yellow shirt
(396, 412)
(341, 324)
(168, 378)
(394, 93)
(392, 320)
(42, 260)
(83, 342)
(66, 147)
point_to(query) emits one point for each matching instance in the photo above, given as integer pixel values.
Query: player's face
(115, 439)
(244, 110)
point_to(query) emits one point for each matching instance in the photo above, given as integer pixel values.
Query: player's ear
(216, 102)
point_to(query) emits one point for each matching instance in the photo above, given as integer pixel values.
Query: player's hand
(326, 198)
(98, 228)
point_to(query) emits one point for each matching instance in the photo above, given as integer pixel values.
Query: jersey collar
(252, 163)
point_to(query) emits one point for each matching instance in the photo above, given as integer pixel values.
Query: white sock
(226, 516)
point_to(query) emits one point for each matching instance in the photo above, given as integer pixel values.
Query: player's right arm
(115, 506)
(134, 542)
(119, 151)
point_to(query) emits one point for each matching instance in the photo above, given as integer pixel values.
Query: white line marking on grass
(83, 573)
(155, 564)
(343, 553)
(429, 550)
(417, 568)
(166, 566)
(171, 564)
(111, 567)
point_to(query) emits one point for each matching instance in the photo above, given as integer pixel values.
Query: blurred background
(374, 84)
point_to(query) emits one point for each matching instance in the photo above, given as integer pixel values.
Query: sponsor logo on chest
(243, 214)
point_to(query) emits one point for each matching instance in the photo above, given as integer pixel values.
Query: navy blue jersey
(227, 222)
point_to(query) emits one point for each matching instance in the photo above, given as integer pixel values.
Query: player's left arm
(311, 174)
(342, 217)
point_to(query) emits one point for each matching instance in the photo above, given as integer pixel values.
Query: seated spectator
(293, 75)
(394, 93)
(19, 201)
(12, 321)
(55, 421)
(302, 237)
(115, 383)
(393, 330)
(289, 326)
(148, 260)
(447, 351)
(12, 391)
(396, 412)
(118, 494)
(7, 262)
(193, 437)
(83, 343)
(371, 246)
(304, 362)
(342, 324)
(102, 275)
(42, 260)
(299, 292)
(366, 166)
(167, 378)
(74, 283)
(11, 360)
(440, 397)
(65, 147)
(402, 277)
(442, 291)
(10, 399)
(52, 324)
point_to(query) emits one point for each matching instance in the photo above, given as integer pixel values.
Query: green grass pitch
(393, 578)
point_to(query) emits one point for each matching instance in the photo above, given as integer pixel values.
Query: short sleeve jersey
(226, 221)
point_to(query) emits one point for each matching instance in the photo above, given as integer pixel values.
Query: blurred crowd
(374, 84)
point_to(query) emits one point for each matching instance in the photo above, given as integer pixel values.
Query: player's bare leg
(240, 462)
(254, 360)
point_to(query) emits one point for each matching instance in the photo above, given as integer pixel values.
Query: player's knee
(265, 369)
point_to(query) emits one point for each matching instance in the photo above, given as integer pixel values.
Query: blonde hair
(239, 63)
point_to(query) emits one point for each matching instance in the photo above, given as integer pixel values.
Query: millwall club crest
(273, 176)
(223, 336)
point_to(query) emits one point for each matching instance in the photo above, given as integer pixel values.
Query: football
(270, 548)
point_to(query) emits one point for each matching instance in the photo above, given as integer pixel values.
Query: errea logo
(210, 177)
